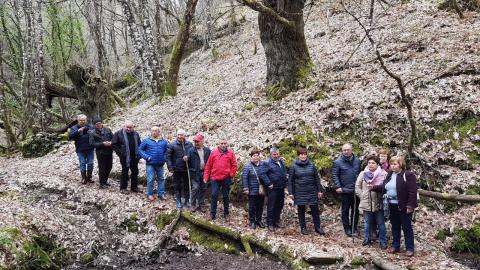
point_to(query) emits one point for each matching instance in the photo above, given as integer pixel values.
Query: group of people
(384, 184)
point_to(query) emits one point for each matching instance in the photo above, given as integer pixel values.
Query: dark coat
(118, 144)
(175, 154)
(274, 174)
(153, 152)
(304, 183)
(97, 137)
(406, 189)
(345, 172)
(81, 138)
(194, 162)
(250, 180)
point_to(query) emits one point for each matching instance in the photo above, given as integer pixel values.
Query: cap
(97, 120)
(198, 138)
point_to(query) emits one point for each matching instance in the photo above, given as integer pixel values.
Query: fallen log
(166, 233)
(382, 264)
(450, 197)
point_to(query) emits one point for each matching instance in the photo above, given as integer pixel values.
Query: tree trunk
(450, 197)
(170, 85)
(288, 59)
(4, 112)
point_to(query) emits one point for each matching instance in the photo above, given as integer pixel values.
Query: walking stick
(353, 217)
(188, 174)
(371, 215)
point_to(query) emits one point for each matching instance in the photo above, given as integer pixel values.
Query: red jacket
(220, 166)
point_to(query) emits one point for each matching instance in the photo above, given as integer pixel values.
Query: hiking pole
(188, 175)
(372, 216)
(353, 217)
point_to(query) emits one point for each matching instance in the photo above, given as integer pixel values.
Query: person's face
(275, 156)
(255, 158)
(383, 158)
(372, 165)
(302, 157)
(395, 167)
(181, 137)
(222, 145)
(82, 121)
(347, 151)
(155, 133)
(129, 128)
(198, 144)
(99, 125)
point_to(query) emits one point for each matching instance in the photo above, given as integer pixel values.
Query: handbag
(261, 189)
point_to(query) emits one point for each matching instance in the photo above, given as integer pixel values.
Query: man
(177, 152)
(344, 172)
(101, 139)
(275, 177)
(79, 133)
(153, 150)
(220, 168)
(125, 143)
(197, 158)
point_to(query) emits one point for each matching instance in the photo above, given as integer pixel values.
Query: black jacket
(175, 154)
(118, 144)
(194, 162)
(97, 137)
(304, 183)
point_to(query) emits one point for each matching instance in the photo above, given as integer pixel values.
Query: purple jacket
(406, 190)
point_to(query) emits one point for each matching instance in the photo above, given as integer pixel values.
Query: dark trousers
(199, 188)
(181, 184)
(255, 208)
(400, 220)
(134, 173)
(276, 199)
(224, 185)
(315, 215)
(350, 204)
(104, 167)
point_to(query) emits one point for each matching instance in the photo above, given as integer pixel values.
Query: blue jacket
(274, 174)
(153, 152)
(194, 162)
(175, 154)
(345, 172)
(249, 178)
(81, 138)
(304, 183)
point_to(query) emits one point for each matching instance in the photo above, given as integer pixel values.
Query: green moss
(87, 258)
(133, 224)
(164, 219)
(473, 190)
(465, 127)
(211, 241)
(358, 261)
(467, 240)
(248, 107)
(38, 145)
(41, 252)
(286, 256)
(473, 157)
(441, 235)
(8, 194)
(215, 54)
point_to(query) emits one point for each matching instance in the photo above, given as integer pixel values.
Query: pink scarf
(375, 179)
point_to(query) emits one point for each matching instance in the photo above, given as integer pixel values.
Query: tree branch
(268, 11)
(169, 12)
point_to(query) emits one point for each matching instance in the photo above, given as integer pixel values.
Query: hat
(198, 138)
(97, 120)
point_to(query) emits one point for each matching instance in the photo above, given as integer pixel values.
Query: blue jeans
(380, 221)
(216, 186)
(400, 220)
(86, 160)
(153, 170)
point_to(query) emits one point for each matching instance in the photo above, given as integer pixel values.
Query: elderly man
(344, 172)
(125, 143)
(153, 150)
(197, 159)
(79, 134)
(101, 139)
(177, 152)
(275, 177)
(220, 168)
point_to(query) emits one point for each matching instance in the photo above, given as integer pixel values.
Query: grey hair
(155, 128)
(127, 123)
(80, 116)
(181, 131)
(349, 145)
(274, 150)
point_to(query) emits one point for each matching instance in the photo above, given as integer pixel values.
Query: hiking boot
(84, 177)
(320, 231)
(348, 232)
(89, 176)
(102, 186)
(151, 198)
(123, 191)
(279, 225)
(187, 203)
(253, 225)
(409, 253)
(304, 231)
(392, 250)
(383, 246)
(271, 228)
(366, 242)
(261, 224)
(178, 200)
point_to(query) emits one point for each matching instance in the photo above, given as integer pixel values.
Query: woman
(370, 201)
(251, 186)
(305, 189)
(384, 156)
(401, 189)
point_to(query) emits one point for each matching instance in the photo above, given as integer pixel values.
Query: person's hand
(205, 181)
(291, 197)
(270, 187)
(410, 210)
(81, 129)
(339, 190)
(320, 195)
(185, 158)
(370, 186)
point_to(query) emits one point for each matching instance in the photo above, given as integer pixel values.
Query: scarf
(127, 146)
(372, 177)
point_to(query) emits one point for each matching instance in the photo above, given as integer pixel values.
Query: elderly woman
(252, 186)
(384, 156)
(401, 189)
(305, 189)
(370, 201)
